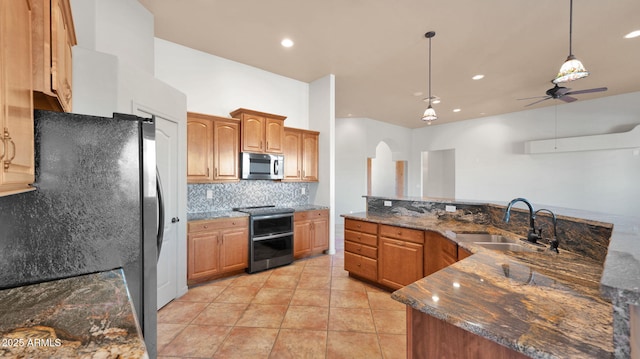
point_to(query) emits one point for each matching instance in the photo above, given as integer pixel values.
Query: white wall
(217, 86)
(356, 140)
(322, 118)
(383, 172)
(491, 164)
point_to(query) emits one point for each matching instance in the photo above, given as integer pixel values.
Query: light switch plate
(450, 208)
(387, 203)
(209, 194)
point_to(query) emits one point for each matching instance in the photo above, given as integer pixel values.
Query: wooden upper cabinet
(292, 154)
(300, 155)
(260, 132)
(226, 149)
(213, 146)
(199, 148)
(53, 37)
(17, 161)
(309, 156)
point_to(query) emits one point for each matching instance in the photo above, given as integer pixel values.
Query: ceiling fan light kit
(429, 114)
(572, 69)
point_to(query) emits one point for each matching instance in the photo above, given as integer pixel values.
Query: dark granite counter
(539, 303)
(230, 213)
(89, 316)
(214, 215)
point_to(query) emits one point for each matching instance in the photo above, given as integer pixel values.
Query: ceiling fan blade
(567, 98)
(530, 98)
(533, 103)
(598, 89)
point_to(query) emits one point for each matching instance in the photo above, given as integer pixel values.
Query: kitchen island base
(430, 337)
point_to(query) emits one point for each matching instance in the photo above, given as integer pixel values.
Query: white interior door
(167, 162)
(167, 150)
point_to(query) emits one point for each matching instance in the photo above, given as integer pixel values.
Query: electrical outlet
(450, 208)
(303, 190)
(387, 203)
(209, 194)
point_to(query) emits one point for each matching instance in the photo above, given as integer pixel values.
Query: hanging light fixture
(429, 114)
(572, 69)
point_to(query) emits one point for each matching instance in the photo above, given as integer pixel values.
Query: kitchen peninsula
(532, 303)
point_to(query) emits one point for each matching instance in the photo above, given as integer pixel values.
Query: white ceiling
(378, 53)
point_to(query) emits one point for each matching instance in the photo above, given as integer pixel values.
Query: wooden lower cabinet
(440, 252)
(310, 232)
(216, 247)
(361, 249)
(400, 261)
(430, 337)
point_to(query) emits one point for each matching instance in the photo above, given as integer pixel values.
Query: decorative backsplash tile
(226, 196)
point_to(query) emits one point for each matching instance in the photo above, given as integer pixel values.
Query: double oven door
(271, 241)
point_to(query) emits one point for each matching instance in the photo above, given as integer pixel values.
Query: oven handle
(271, 216)
(278, 235)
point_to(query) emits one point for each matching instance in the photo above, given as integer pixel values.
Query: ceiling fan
(562, 93)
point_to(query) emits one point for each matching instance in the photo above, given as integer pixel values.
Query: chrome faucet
(553, 243)
(532, 236)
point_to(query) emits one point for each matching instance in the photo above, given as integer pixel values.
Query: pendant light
(572, 69)
(429, 114)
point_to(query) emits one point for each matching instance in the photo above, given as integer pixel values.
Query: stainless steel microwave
(260, 166)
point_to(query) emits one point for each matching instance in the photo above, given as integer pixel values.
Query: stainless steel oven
(270, 237)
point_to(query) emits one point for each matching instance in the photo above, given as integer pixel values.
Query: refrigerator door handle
(159, 191)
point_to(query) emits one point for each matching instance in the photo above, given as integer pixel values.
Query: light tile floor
(309, 309)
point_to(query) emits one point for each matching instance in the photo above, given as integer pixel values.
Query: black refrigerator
(96, 207)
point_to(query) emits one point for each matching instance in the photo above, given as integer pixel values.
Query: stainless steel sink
(502, 246)
(493, 241)
(483, 237)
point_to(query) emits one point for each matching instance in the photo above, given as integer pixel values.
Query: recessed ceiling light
(632, 34)
(286, 42)
(456, 110)
(418, 94)
(478, 77)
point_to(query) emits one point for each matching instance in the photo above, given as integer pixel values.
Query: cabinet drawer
(361, 249)
(216, 224)
(302, 216)
(361, 226)
(361, 266)
(359, 237)
(411, 235)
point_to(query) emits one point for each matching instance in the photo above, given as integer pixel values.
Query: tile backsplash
(225, 196)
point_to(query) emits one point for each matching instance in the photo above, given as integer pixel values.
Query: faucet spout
(554, 241)
(532, 236)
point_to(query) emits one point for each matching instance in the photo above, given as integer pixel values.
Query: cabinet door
(439, 252)
(301, 238)
(226, 148)
(309, 157)
(274, 135)
(320, 231)
(292, 155)
(199, 149)
(399, 262)
(234, 252)
(252, 133)
(62, 39)
(204, 255)
(17, 160)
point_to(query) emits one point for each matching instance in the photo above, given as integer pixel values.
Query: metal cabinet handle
(4, 148)
(7, 137)
(175, 219)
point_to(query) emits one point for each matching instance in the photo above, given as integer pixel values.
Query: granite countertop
(539, 303)
(89, 316)
(230, 213)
